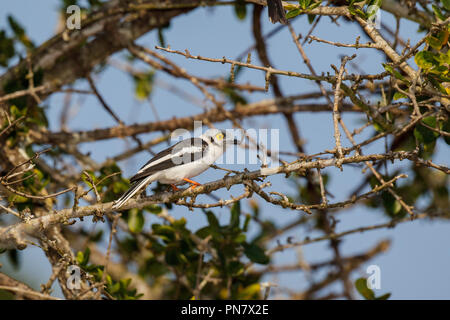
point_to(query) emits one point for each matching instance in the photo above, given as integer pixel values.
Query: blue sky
(417, 264)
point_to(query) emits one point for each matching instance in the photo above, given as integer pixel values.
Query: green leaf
(17, 199)
(97, 236)
(114, 288)
(14, 257)
(143, 83)
(361, 13)
(391, 205)
(153, 208)
(240, 238)
(6, 49)
(311, 18)
(125, 282)
(437, 40)
(375, 3)
(437, 85)
(240, 9)
(173, 256)
(368, 294)
(446, 128)
(246, 222)
(425, 135)
(86, 179)
(15, 26)
(235, 268)
(161, 40)
(304, 3)
(434, 42)
(16, 112)
(444, 58)
(394, 72)
(95, 3)
(446, 4)
(430, 121)
(293, 13)
(203, 232)
(383, 297)
(425, 60)
(399, 95)
(234, 96)
(19, 33)
(235, 215)
(67, 3)
(83, 257)
(37, 115)
(179, 224)
(351, 9)
(314, 5)
(29, 182)
(378, 127)
(429, 148)
(361, 286)
(136, 220)
(252, 291)
(212, 220)
(165, 232)
(438, 12)
(255, 253)
(154, 268)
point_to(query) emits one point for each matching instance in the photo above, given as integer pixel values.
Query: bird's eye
(211, 139)
(219, 136)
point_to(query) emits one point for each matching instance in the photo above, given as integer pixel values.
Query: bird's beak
(232, 142)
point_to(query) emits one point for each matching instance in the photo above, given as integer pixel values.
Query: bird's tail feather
(135, 188)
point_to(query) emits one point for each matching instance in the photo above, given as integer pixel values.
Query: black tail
(135, 187)
(276, 11)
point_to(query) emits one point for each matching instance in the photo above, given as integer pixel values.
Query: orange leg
(174, 187)
(194, 183)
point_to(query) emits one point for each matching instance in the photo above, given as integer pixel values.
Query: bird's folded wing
(183, 152)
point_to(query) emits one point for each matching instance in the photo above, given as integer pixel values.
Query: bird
(276, 11)
(178, 163)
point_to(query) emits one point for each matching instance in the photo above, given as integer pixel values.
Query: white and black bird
(177, 164)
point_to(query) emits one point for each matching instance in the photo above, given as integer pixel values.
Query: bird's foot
(174, 187)
(194, 183)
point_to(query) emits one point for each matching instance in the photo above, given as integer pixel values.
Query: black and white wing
(183, 152)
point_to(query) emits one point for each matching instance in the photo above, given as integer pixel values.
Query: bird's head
(219, 137)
